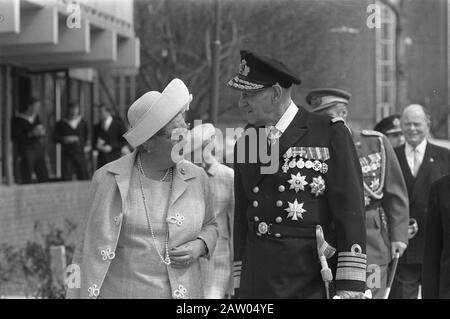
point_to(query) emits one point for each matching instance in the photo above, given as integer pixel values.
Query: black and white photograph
(241, 151)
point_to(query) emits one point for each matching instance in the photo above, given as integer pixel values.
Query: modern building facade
(61, 51)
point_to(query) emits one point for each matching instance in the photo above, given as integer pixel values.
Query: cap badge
(244, 69)
(396, 122)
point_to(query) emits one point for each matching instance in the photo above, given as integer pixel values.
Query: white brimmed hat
(153, 110)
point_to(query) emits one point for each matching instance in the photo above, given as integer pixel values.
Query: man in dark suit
(108, 139)
(422, 163)
(436, 263)
(313, 178)
(72, 133)
(28, 136)
(385, 194)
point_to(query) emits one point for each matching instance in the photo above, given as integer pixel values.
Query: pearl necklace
(166, 259)
(165, 175)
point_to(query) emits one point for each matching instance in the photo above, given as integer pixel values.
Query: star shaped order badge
(375, 184)
(295, 210)
(317, 186)
(297, 182)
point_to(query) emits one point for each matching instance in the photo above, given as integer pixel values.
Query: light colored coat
(101, 228)
(217, 272)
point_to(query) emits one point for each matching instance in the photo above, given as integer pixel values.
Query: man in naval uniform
(385, 192)
(317, 181)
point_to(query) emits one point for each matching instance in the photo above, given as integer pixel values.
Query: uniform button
(374, 174)
(256, 219)
(281, 188)
(278, 219)
(255, 203)
(255, 189)
(279, 203)
(182, 171)
(278, 235)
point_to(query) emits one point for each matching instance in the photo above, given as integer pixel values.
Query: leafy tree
(176, 41)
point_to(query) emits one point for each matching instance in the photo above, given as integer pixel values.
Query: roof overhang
(37, 34)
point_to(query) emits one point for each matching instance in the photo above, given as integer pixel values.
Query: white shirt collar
(29, 118)
(287, 117)
(108, 122)
(420, 148)
(73, 123)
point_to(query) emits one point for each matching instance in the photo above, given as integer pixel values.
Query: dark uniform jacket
(113, 136)
(435, 164)
(21, 130)
(385, 195)
(64, 129)
(274, 227)
(436, 263)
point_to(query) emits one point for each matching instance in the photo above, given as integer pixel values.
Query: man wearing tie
(422, 163)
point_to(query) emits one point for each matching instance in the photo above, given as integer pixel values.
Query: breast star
(295, 210)
(297, 182)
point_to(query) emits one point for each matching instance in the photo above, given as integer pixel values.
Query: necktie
(416, 164)
(273, 134)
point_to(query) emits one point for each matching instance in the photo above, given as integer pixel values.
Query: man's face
(415, 126)
(396, 139)
(35, 107)
(73, 111)
(333, 111)
(258, 107)
(104, 114)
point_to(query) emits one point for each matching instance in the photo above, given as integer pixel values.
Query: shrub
(29, 268)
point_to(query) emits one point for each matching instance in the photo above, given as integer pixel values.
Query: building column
(6, 117)
(448, 67)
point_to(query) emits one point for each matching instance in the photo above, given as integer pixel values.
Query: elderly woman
(150, 219)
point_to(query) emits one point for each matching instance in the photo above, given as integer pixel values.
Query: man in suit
(72, 133)
(422, 163)
(436, 262)
(28, 134)
(316, 181)
(385, 194)
(390, 126)
(108, 139)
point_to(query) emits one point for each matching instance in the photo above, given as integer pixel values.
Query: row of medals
(372, 165)
(316, 165)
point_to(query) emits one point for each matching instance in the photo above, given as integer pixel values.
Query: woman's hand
(187, 253)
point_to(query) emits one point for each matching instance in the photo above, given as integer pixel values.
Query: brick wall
(22, 205)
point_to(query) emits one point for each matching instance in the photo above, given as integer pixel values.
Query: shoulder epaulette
(337, 120)
(371, 133)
